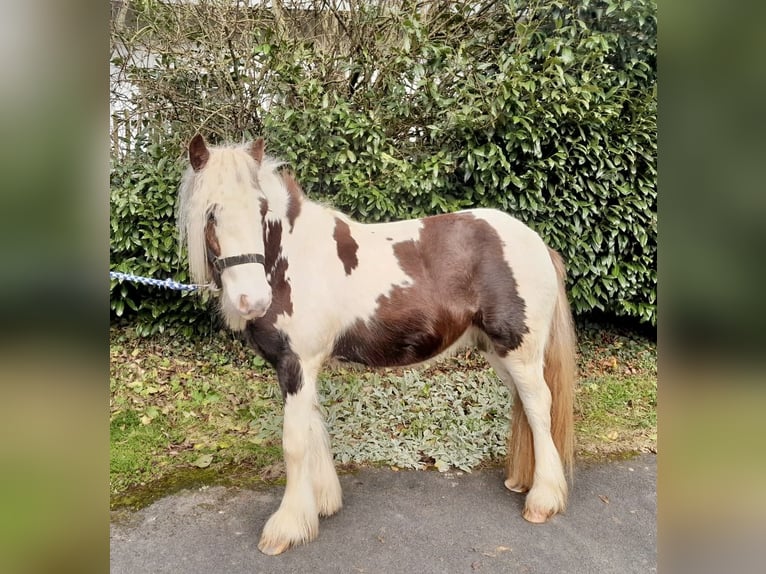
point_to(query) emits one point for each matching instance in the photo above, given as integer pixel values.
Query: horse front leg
(312, 485)
(327, 490)
(296, 520)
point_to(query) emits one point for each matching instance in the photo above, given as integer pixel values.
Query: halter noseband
(221, 263)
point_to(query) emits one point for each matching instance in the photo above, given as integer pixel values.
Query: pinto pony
(304, 283)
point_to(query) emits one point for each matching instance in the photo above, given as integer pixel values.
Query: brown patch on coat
(212, 247)
(295, 201)
(276, 270)
(198, 152)
(262, 334)
(346, 245)
(460, 279)
(264, 207)
(256, 149)
(211, 239)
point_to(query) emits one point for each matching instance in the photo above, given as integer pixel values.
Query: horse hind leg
(519, 460)
(533, 462)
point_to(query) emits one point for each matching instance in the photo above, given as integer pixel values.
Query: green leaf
(203, 461)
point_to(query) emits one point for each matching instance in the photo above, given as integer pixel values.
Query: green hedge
(549, 114)
(144, 242)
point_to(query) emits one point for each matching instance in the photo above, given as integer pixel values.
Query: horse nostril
(244, 303)
(252, 307)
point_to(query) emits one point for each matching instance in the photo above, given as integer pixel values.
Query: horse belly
(414, 338)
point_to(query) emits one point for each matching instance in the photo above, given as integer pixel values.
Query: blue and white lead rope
(164, 283)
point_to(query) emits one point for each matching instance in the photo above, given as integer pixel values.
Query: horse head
(221, 221)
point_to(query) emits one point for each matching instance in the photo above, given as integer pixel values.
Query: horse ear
(256, 149)
(198, 152)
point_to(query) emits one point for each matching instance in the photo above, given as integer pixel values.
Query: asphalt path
(405, 521)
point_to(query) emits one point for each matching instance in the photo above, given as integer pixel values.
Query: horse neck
(289, 207)
(285, 198)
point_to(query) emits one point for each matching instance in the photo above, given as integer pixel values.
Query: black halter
(219, 264)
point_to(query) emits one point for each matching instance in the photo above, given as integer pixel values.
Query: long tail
(560, 371)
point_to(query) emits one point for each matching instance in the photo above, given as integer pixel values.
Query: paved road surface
(407, 521)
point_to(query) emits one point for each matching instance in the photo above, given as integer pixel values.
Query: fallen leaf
(203, 461)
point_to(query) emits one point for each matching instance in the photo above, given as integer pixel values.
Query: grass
(181, 410)
(616, 401)
(185, 413)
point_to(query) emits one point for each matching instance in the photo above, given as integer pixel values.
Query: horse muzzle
(251, 308)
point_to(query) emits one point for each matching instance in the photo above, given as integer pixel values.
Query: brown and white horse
(304, 283)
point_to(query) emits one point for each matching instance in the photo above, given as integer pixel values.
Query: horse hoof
(328, 509)
(272, 548)
(514, 486)
(536, 516)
